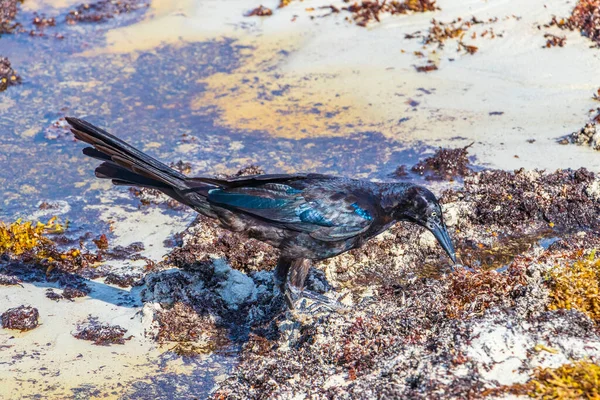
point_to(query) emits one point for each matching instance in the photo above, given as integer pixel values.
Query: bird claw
(311, 302)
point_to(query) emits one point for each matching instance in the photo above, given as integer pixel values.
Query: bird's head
(417, 204)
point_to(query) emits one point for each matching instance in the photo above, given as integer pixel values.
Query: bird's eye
(434, 214)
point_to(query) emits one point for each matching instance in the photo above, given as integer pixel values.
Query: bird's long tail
(126, 165)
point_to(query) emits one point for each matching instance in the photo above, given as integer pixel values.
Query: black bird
(308, 217)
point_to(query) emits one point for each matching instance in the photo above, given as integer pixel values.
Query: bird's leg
(290, 275)
(297, 276)
(280, 276)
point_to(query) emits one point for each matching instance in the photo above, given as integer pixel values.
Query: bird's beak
(441, 234)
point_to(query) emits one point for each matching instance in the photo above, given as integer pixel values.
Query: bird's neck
(393, 193)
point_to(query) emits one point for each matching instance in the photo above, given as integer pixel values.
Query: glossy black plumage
(307, 216)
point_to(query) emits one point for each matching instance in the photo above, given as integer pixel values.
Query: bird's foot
(310, 302)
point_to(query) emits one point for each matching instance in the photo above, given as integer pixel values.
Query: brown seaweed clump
(122, 280)
(584, 18)
(589, 135)
(445, 164)
(71, 292)
(260, 11)
(8, 76)
(553, 40)
(101, 334)
(103, 10)
(8, 12)
(192, 333)
(471, 294)
(371, 10)
(23, 318)
(206, 240)
(8, 280)
(530, 200)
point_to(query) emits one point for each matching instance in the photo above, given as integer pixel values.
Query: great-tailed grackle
(307, 216)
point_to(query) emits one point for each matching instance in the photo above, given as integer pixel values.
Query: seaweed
(207, 240)
(577, 286)
(445, 164)
(576, 380)
(528, 200)
(192, 333)
(30, 243)
(471, 294)
(8, 12)
(260, 11)
(99, 333)
(23, 318)
(8, 280)
(585, 18)
(371, 10)
(103, 10)
(553, 40)
(8, 76)
(71, 292)
(21, 237)
(123, 280)
(589, 135)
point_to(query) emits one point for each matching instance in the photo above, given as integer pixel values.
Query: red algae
(23, 318)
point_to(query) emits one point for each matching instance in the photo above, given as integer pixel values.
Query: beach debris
(122, 280)
(577, 286)
(366, 11)
(71, 292)
(589, 135)
(531, 199)
(577, 380)
(362, 12)
(52, 295)
(8, 76)
(585, 18)
(103, 10)
(30, 243)
(23, 318)
(100, 333)
(9, 280)
(445, 164)
(260, 11)
(205, 240)
(553, 40)
(43, 21)
(191, 332)
(8, 12)
(471, 294)
(426, 68)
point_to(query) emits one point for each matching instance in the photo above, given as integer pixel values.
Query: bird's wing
(257, 180)
(324, 212)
